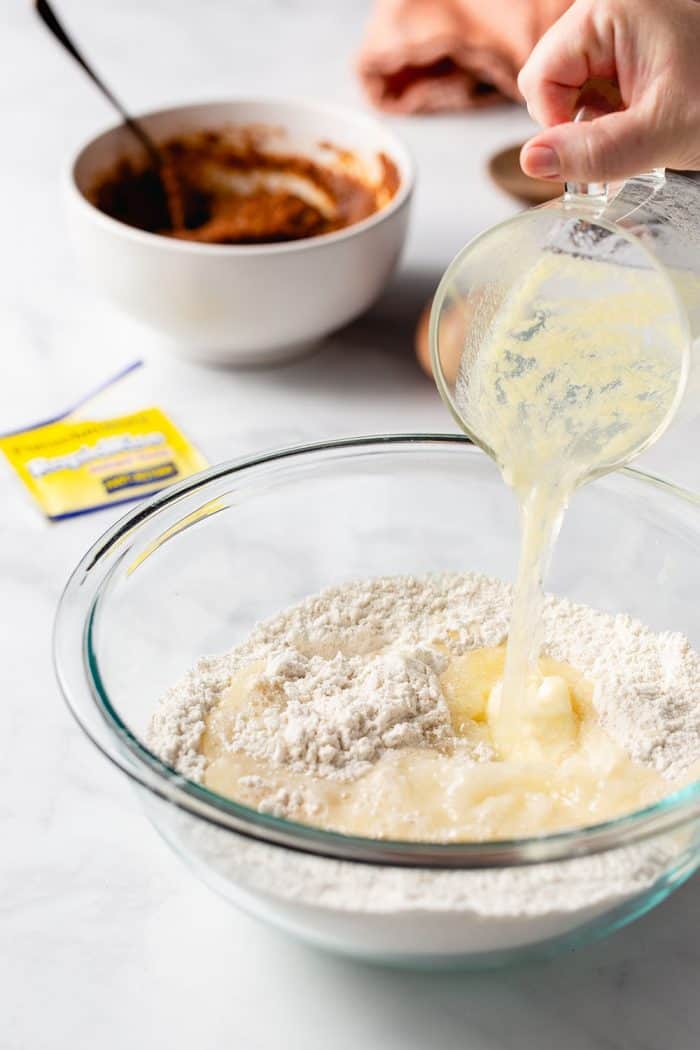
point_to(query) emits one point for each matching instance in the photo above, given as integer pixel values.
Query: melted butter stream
(563, 770)
(579, 370)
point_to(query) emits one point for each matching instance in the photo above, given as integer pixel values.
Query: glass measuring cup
(606, 277)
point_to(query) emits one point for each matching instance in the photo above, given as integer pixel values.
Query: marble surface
(105, 940)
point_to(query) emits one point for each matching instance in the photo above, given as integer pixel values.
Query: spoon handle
(50, 20)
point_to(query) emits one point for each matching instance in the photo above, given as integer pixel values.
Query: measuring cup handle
(597, 192)
(586, 192)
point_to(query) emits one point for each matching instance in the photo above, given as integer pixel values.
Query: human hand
(651, 48)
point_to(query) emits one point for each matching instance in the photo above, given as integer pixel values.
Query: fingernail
(541, 161)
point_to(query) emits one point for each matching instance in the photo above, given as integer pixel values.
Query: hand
(652, 49)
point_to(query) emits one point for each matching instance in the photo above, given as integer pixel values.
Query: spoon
(163, 167)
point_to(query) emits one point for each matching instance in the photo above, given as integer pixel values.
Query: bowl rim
(82, 688)
(396, 148)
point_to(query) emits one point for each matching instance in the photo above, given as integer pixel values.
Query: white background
(105, 940)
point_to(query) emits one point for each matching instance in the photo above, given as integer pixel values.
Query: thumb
(614, 146)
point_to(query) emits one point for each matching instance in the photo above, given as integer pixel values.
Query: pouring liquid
(580, 370)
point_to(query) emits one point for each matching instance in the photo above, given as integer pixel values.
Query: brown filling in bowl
(225, 187)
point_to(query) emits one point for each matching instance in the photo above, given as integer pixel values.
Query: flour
(353, 672)
(334, 718)
(559, 888)
(327, 639)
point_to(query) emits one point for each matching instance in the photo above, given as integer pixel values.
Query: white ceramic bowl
(242, 304)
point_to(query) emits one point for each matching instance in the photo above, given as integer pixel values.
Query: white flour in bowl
(359, 667)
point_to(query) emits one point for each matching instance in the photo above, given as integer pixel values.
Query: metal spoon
(171, 189)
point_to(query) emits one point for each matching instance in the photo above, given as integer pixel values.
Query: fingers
(614, 146)
(577, 47)
(552, 76)
(552, 103)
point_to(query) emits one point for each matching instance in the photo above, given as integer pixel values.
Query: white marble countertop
(106, 941)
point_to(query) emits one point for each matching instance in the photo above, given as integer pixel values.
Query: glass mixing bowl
(191, 570)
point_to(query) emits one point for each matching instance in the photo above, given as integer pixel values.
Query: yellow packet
(76, 466)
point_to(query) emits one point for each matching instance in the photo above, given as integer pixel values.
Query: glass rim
(85, 693)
